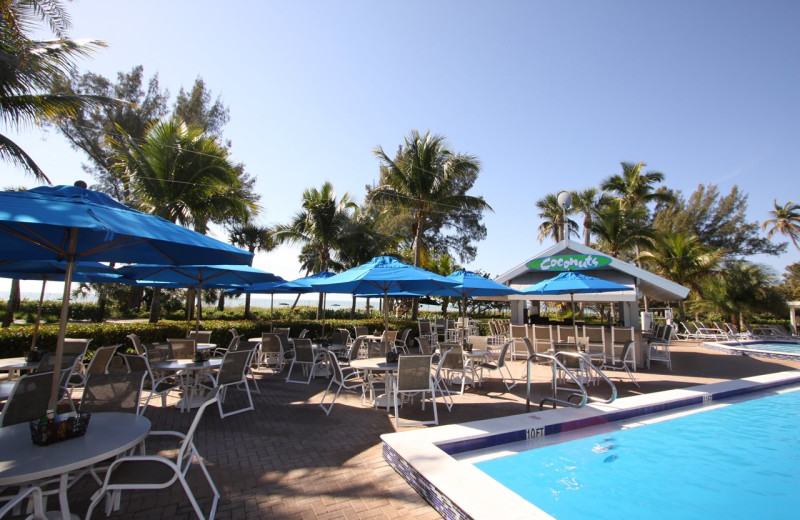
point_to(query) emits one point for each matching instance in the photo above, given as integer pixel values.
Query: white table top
(375, 363)
(17, 363)
(108, 434)
(185, 364)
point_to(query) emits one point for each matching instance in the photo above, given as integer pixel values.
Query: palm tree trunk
(155, 305)
(353, 308)
(247, 306)
(221, 302)
(8, 317)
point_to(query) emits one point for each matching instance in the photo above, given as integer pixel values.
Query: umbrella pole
(271, 309)
(574, 325)
(38, 316)
(62, 323)
(386, 310)
(198, 310)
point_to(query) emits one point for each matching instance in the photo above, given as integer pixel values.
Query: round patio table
(376, 364)
(108, 434)
(190, 372)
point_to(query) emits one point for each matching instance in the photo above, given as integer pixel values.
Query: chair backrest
(667, 337)
(581, 341)
(338, 376)
(518, 331)
(378, 348)
(627, 350)
(361, 330)
(450, 324)
(303, 333)
(596, 335)
(303, 351)
(424, 327)
(233, 367)
(283, 330)
(47, 363)
(234, 333)
(137, 344)
(101, 359)
(138, 363)
(404, 335)
(424, 346)
(200, 336)
(455, 356)
(413, 373)
(501, 360)
(389, 336)
(355, 347)
(28, 399)
(185, 453)
(338, 339)
(235, 343)
(182, 348)
(621, 334)
(112, 392)
(76, 346)
(543, 332)
(567, 361)
(528, 346)
(270, 342)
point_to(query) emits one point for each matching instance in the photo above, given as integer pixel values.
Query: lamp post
(565, 201)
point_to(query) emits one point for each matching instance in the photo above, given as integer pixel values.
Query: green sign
(568, 262)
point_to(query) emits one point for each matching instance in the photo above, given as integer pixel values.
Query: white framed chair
(156, 386)
(516, 335)
(402, 342)
(345, 378)
(620, 336)
(200, 336)
(34, 495)
(272, 353)
(113, 393)
(658, 349)
(441, 386)
(500, 364)
(542, 338)
(182, 348)
(414, 378)
(152, 472)
(454, 363)
(622, 362)
(233, 372)
(306, 359)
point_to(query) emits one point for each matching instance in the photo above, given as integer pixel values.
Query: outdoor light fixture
(565, 201)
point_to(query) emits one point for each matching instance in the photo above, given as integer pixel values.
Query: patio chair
(182, 348)
(414, 378)
(353, 351)
(542, 338)
(658, 350)
(424, 346)
(518, 350)
(339, 341)
(69, 365)
(530, 350)
(232, 346)
(620, 336)
(283, 330)
(233, 372)
(500, 364)
(454, 363)
(76, 346)
(447, 397)
(271, 355)
(113, 393)
(360, 330)
(401, 343)
(622, 362)
(426, 331)
(303, 334)
(28, 399)
(597, 341)
(200, 336)
(345, 378)
(34, 495)
(151, 472)
(306, 358)
(142, 348)
(97, 365)
(155, 386)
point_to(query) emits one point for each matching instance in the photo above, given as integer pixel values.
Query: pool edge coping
(461, 491)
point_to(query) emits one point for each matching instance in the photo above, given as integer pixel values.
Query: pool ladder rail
(580, 393)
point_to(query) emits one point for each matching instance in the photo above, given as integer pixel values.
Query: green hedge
(16, 340)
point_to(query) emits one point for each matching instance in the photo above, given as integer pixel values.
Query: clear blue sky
(548, 95)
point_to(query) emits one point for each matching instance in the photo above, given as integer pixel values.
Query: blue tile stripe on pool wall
(440, 502)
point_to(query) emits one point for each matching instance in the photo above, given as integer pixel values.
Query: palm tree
(253, 237)
(552, 215)
(29, 67)
(426, 178)
(682, 258)
(634, 188)
(588, 202)
(319, 226)
(619, 230)
(182, 175)
(429, 181)
(786, 221)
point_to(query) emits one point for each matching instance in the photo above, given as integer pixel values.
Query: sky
(549, 96)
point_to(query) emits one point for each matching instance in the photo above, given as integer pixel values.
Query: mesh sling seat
(151, 472)
(155, 386)
(454, 363)
(346, 378)
(97, 365)
(305, 357)
(233, 372)
(500, 364)
(182, 348)
(414, 378)
(658, 349)
(200, 336)
(113, 393)
(28, 399)
(70, 363)
(622, 362)
(272, 353)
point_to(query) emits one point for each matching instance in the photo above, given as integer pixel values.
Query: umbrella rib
(34, 238)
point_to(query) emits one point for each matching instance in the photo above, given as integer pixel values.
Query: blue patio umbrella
(383, 275)
(472, 284)
(72, 223)
(51, 270)
(570, 282)
(197, 276)
(271, 288)
(305, 285)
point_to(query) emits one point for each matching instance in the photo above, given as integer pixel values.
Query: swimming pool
(767, 349)
(744, 465)
(440, 463)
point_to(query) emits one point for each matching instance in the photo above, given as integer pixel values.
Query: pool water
(739, 461)
(773, 346)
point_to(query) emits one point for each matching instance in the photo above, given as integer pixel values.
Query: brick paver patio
(287, 459)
